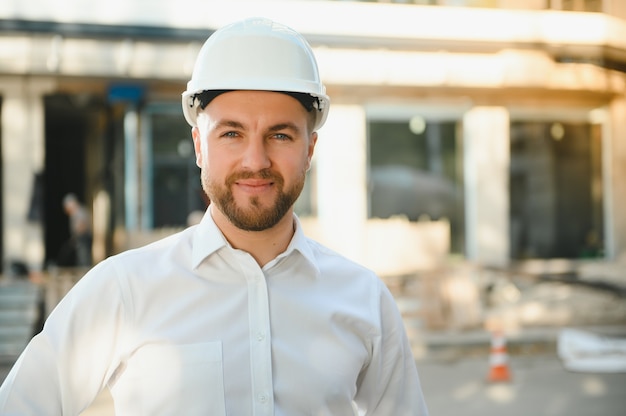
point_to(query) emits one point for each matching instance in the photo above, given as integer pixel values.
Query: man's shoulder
(330, 259)
(166, 248)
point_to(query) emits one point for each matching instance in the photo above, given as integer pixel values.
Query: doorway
(66, 132)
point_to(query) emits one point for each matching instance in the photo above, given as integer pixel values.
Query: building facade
(493, 131)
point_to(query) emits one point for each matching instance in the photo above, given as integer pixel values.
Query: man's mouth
(254, 185)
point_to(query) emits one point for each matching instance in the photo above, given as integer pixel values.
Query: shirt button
(260, 336)
(262, 398)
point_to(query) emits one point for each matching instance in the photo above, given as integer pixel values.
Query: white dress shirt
(190, 326)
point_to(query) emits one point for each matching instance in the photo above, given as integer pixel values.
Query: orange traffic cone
(498, 359)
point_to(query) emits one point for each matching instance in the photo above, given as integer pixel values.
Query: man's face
(254, 148)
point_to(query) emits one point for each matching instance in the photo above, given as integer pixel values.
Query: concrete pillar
(341, 161)
(132, 186)
(614, 162)
(486, 164)
(23, 153)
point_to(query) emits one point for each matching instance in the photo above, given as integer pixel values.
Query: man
(81, 238)
(240, 314)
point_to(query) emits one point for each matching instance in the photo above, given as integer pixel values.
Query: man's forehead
(238, 105)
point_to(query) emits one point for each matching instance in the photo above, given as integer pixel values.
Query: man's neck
(264, 245)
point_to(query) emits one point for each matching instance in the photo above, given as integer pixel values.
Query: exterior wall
(392, 53)
(341, 178)
(486, 185)
(615, 8)
(615, 185)
(522, 4)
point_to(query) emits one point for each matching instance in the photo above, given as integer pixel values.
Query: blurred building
(491, 130)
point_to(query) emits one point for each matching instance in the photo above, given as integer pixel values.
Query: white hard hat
(256, 54)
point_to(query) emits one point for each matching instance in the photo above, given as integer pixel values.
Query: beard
(255, 216)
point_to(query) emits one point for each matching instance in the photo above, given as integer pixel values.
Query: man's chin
(255, 222)
(255, 210)
(255, 204)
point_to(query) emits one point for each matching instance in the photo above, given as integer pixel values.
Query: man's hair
(205, 97)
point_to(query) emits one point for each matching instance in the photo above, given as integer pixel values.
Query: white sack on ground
(585, 351)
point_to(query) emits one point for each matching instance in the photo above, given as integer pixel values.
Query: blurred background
(474, 155)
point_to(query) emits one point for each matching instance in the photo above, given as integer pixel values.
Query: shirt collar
(302, 244)
(208, 239)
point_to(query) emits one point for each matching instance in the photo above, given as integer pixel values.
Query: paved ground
(540, 386)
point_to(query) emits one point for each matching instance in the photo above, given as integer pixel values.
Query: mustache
(261, 174)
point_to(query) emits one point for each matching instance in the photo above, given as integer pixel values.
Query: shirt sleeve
(390, 384)
(69, 362)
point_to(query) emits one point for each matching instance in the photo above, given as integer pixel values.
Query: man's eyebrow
(229, 124)
(285, 126)
(272, 129)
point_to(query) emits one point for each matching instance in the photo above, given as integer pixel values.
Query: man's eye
(281, 136)
(230, 134)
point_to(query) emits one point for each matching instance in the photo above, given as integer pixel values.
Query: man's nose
(256, 156)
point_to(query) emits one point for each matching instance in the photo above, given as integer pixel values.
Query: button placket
(260, 341)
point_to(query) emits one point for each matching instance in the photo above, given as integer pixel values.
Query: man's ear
(311, 150)
(197, 145)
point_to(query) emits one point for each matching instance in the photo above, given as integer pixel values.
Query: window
(174, 189)
(415, 171)
(556, 190)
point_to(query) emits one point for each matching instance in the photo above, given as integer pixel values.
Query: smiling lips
(255, 183)
(254, 186)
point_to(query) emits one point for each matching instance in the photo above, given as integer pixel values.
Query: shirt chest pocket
(179, 379)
